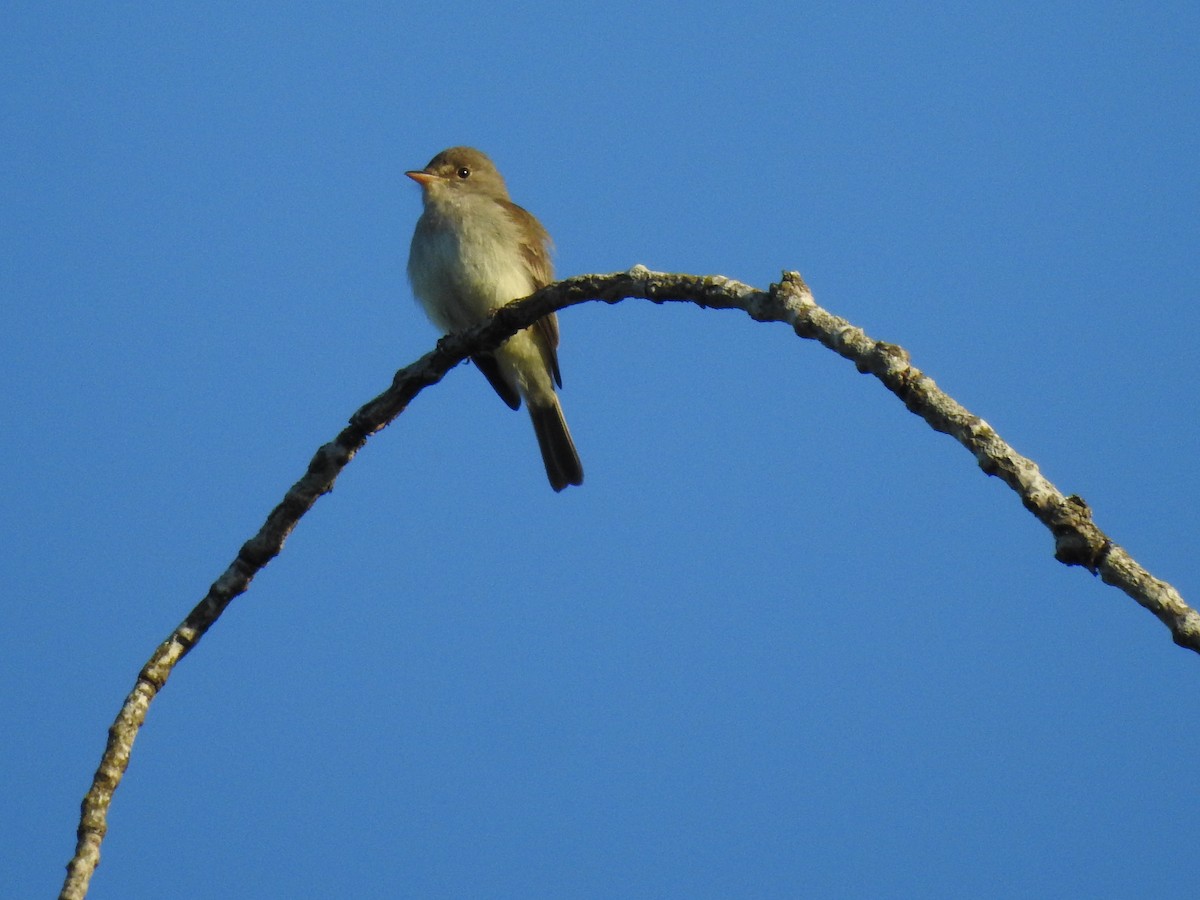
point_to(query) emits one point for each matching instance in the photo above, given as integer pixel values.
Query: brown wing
(535, 245)
(545, 333)
(535, 249)
(486, 363)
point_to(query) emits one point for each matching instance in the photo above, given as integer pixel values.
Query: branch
(1078, 542)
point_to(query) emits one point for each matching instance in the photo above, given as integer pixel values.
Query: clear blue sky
(785, 640)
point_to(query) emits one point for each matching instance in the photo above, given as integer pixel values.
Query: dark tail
(558, 450)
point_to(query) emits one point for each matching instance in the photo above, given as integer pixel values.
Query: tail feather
(558, 450)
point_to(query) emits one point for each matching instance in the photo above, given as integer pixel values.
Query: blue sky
(785, 640)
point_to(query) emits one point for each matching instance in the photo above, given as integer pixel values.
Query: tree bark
(1077, 539)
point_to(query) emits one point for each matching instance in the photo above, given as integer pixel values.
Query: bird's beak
(424, 179)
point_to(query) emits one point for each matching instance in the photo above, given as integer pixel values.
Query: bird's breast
(465, 263)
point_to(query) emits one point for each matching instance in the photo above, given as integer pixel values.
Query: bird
(473, 251)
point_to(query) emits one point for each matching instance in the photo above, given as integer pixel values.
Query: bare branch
(1078, 542)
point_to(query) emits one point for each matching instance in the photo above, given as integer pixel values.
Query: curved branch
(1078, 542)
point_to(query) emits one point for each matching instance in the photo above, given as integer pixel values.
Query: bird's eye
(463, 172)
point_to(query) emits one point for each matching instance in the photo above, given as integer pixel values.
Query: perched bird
(473, 251)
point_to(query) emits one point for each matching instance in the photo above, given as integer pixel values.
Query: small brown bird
(473, 251)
